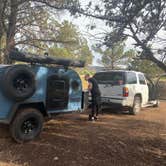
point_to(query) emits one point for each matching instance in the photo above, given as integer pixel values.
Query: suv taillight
(125, 92)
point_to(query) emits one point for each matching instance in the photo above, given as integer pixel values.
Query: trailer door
(57, 92)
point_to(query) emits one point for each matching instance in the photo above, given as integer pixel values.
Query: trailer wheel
(27, 125)
(18, 82)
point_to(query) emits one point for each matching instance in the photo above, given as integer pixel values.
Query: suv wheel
(156, 104)
(26, 125)
(136, 106)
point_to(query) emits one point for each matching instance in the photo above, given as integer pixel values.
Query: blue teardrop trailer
(30, 92)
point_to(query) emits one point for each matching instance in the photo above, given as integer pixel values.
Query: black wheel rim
(29, 126)
(22, 83)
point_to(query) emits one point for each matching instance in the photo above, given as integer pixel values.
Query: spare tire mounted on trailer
(19, 82)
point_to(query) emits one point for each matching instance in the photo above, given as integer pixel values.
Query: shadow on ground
(71, 140)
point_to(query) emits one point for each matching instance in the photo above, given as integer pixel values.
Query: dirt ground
(71, 140)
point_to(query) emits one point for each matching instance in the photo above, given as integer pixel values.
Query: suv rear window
(131, 78)
(115, 78)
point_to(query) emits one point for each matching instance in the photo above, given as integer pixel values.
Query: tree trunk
(1, 57)
(158, 63)
(1, 28)
(1, 18)
(150, 56)
(10, 41)
(112, 64)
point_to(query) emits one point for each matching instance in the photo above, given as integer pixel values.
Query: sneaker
(90, 117)
(96, 117)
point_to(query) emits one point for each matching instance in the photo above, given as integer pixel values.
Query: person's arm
(90, 86)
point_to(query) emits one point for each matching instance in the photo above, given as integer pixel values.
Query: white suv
(129, 89)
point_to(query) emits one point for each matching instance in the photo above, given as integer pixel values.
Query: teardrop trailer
(30, 92)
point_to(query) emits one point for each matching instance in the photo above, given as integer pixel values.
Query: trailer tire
(26, 125)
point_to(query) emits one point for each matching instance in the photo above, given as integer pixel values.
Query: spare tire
(19, 82)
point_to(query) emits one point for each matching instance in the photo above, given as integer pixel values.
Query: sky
(83, 25)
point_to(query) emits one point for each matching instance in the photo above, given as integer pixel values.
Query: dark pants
(95, 105)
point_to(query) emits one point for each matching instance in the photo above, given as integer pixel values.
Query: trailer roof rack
(33, 58)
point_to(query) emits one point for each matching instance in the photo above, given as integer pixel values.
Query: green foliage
(114, 56)
(68, 32)
(145, 66)
(60, 52)
(74, 45)
(142, 20)
(30, 23)
(85, 71)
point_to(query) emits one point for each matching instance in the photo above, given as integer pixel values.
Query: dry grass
(12, 160)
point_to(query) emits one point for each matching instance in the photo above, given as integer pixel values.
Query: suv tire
(136, 106)
(19, 82)
(27, 125)
(156, 104)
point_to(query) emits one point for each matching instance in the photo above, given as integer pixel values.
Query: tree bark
(147, 52)
(10, 42)
(150, 56)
